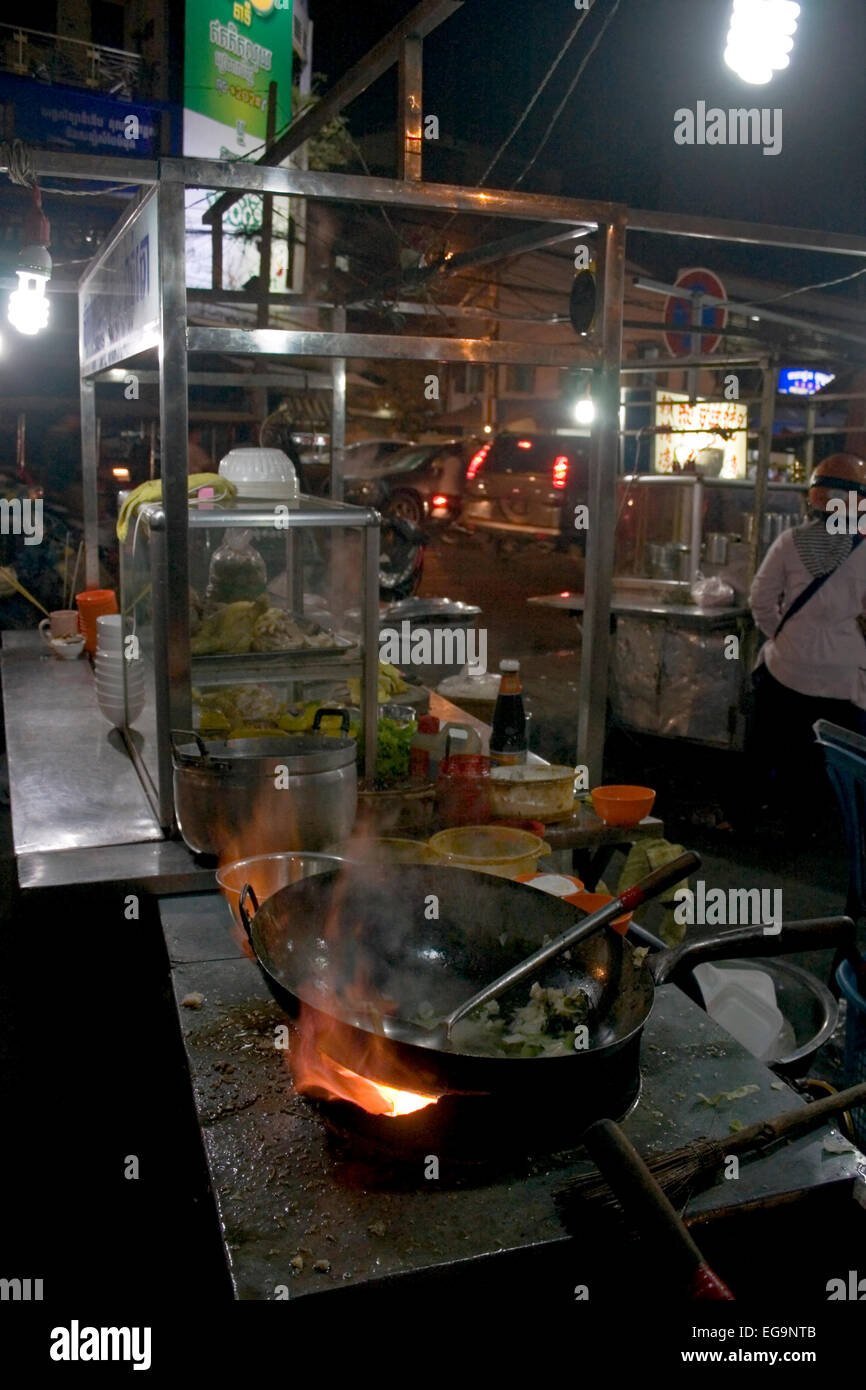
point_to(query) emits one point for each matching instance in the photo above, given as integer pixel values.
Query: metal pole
(695, 342)
(371, 648)
(409, 104)
(809, 451)
(765, 448)
(338, 410)
(90, 489)
(267, 219)
(173, 681)
(216, 243)
(603, 461)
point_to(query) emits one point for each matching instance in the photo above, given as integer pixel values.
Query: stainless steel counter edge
(152, 867)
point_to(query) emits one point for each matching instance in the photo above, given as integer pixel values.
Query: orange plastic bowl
(624, 806)
(591, 902)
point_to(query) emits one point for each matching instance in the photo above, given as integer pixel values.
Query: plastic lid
(509, 665)
(428, 724)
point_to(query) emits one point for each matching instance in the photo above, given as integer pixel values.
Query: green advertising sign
(233, 52)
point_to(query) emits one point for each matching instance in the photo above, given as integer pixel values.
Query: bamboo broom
(681, 1172)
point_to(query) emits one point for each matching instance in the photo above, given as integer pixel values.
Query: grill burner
(484, 1128)
(481, 1130)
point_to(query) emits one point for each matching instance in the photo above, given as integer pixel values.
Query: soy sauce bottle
(508, 735)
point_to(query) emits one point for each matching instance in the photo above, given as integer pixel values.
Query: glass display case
(283, 614)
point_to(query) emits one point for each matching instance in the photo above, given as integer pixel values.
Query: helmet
(836, 476)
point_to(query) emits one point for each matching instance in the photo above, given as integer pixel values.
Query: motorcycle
(401, 558)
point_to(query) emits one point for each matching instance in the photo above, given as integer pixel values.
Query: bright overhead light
(28, 305)
(584, 411)
(760, 38)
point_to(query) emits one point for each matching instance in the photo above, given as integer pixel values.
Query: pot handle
(331, 709)
(813, 934)
(248, 896)
(188, 736)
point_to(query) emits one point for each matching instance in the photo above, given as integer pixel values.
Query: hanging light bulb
(28, 305)
(760, 38)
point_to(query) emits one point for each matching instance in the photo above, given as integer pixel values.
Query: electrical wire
(15, 155)
(560, 108)
(824, 285)
(584, 15)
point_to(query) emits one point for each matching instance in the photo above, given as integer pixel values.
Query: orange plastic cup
(93, 604)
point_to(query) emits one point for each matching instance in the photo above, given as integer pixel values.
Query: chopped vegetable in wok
(544, 1027)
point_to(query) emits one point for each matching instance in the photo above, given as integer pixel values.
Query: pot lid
(430, 608)
(258, 757)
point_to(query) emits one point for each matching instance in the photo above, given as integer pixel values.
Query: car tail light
(476, 461)
(524, 443)
(560, 471)
(440, 500)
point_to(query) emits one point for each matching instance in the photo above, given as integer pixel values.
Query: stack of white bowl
(110, 666)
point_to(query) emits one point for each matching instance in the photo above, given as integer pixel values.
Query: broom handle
(794, 1122)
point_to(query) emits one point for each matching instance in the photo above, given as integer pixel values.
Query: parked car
(422, 484)
(525, 484)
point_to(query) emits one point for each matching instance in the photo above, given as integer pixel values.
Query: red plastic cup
(93, 604)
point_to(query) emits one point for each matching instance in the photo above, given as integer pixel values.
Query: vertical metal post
(267, 219)
(603, 461)
(696, 530)
(89, 485)
(371, 648)
(21, 444)
(410, 101)
(338, 409)
(809, 445)
(216, 245)
(173, 680)
(765, 448)
(695, 346)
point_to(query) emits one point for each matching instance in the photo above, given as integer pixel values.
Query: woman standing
(809, 597)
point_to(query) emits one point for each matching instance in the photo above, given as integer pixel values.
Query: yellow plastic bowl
(622, 805)
(491, 849)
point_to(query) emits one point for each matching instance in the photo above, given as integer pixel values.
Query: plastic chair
(845, 760)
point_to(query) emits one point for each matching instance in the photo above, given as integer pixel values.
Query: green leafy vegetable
(738, 1094)
(392, 753)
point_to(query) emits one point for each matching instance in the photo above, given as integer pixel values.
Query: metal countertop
(685, 614)
(73, 784)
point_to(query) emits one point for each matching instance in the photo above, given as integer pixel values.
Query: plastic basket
(855, 1043)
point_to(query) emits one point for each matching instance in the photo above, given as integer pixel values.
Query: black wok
(338, 940)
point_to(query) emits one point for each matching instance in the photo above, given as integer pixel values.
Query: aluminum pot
(264, 795)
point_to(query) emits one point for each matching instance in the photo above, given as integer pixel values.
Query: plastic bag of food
(712, 593)
(237, 570)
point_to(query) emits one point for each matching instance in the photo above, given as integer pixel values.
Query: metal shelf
(259, 668)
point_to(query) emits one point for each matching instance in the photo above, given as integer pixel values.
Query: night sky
(615, 137)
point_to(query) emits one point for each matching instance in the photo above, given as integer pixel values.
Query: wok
(340, 939)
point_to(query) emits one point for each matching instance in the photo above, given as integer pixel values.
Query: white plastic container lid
(261, 473)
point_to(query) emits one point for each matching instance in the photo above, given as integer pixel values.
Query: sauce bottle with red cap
(508, 735)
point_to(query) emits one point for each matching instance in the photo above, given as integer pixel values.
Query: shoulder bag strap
(803, 598)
